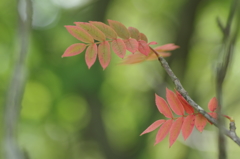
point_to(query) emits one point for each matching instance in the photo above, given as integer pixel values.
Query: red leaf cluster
(99, 39)
(185, 120)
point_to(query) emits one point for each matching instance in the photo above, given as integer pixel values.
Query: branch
(222, 68)
(16, 88)
(230, 133)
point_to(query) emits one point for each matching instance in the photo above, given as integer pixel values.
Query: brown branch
(184, 93)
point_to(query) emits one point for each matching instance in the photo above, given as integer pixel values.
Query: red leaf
(200, 122)
(187, 126)
(74, 49)
(152, 43)
(187, 107)
(119, 47)
(143, 37)
(166, 47)
(163, 131)
(134, 33)
(153, 56)
(153, 126)
(92, 30)
(120, 29)
(91, 55)
(175, 130)
(80, 34)
(163, 106)
(143, 47)
(174, 103)
(104, 54)
(131, 44)
(107, 30)
(134, 58)
(213, 104)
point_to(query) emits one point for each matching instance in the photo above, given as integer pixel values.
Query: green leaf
(107, 30)
(134, 33)
(80, 34)
(92, 30)
(121, 30)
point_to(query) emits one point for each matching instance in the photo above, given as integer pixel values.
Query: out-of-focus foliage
(69, 111)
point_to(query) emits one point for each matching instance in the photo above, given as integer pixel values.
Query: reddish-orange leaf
(152, 56)
(187, 107)
(134, 58)
(80, 34)
(175, 130)
(91, 55)
(92, 30)
(104, 54)
(107, 30)
(166, 47)
(137, 57)
(119, 47)
(134, 33)
(74, 49)
(152, 43)
(188, 126)
(143, 37)
(143, 47)
(121, 30)
(163, 106)
(153, 126)
(131, 44)
(213, 104)
(200, 122)
(174, 103)
(163, 131)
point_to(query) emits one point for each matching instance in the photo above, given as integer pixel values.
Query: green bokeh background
(71, 112)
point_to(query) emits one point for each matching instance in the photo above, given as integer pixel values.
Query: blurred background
(70, 112)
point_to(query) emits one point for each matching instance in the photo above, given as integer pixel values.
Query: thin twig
(184, 93)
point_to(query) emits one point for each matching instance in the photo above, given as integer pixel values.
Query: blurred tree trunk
(16, 86)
